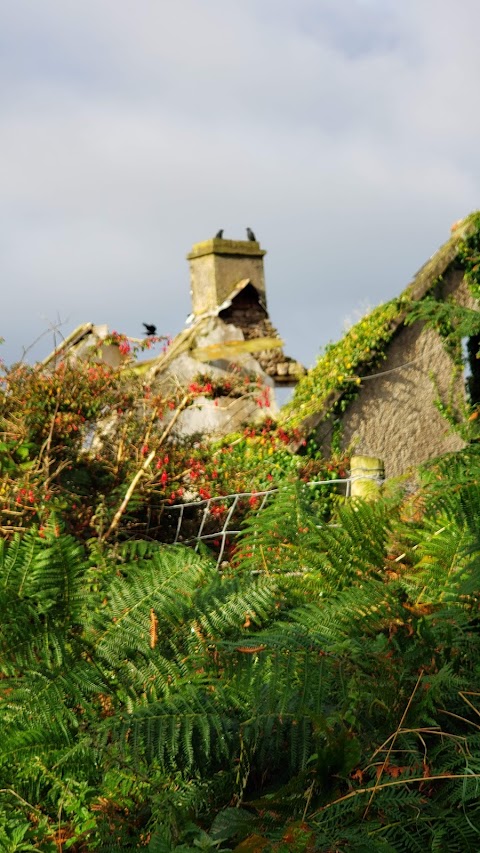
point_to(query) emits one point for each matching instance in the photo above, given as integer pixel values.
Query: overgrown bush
(101, 449)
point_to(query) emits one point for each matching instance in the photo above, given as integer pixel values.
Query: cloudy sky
(344, 132)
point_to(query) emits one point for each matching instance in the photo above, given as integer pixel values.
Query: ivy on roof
(337, 370)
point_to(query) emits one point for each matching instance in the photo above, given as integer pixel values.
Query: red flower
(164, 478)
(218, 509)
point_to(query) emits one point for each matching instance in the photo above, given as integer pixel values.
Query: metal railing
(204, 509)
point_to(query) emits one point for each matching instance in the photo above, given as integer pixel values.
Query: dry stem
(394, 737)
(141, 471)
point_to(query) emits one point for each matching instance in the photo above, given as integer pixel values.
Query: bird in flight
(219, 234)
(251, 235)
(150, 330)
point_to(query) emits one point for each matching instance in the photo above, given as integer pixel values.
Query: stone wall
(248, 314)
(394, 416)
(224, 414)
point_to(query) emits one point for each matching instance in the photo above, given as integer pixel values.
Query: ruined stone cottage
(229, 332)
(380, 390)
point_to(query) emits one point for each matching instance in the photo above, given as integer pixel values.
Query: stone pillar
(367, 474)
(218, 266)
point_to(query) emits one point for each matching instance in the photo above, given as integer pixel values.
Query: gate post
(367, 475)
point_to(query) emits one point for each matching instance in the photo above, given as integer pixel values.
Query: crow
(219, 234)
(251, 235)
(151, 330)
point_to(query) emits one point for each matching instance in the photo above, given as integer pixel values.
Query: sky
(344, 132)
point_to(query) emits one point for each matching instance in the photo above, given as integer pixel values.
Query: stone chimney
(217, 266)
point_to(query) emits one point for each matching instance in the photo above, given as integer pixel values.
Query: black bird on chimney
(251, 235)
(219, 234)
(150, 329)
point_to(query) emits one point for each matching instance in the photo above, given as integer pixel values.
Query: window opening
(470, 353)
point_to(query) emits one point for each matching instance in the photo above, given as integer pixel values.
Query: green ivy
(338, 370)
(336, 378)
(469, 257)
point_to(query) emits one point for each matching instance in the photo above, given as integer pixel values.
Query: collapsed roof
(243, 328)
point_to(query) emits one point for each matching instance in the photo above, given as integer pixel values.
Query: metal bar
(202, 524)
(264, 501)
(179, 525)
(225, 529)
(257, 493)
(211, 536)
(224, 532)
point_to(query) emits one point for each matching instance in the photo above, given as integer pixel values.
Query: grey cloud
(344, 134)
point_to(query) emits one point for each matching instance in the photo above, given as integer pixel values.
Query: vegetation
(101, 449)
(327, 702)
(316, 693)
(337, 374)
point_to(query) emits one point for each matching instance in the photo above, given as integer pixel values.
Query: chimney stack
(217, 266)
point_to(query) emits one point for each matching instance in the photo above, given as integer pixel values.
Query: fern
(288, 537)
(328, 683)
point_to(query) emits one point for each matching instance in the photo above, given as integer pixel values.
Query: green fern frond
(288, 537)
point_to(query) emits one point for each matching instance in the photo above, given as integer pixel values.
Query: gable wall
(394, 416)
